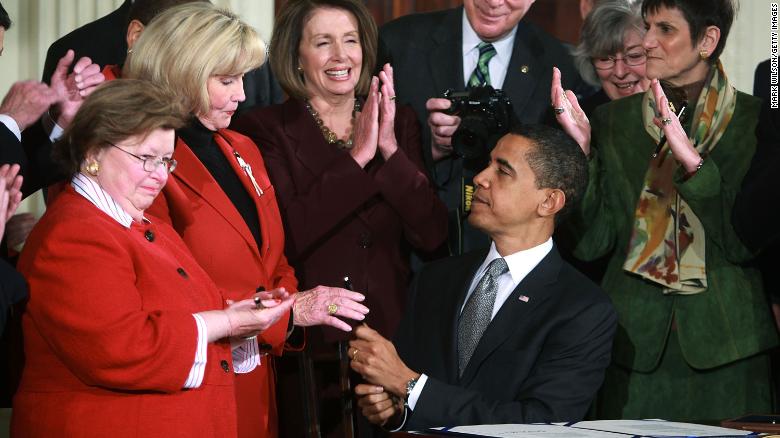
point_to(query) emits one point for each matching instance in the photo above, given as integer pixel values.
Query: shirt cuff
(246, 356)
(416, 391)
(198, 370)
(403, 421)
(51, 127)
(11, 124)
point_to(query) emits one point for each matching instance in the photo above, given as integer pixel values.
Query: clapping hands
(375, 124)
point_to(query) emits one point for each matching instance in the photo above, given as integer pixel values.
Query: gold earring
(93, 168)
(704, 55)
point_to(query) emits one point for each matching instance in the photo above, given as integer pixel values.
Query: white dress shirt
(498, 64)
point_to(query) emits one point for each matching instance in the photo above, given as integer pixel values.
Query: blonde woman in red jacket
(220, 199)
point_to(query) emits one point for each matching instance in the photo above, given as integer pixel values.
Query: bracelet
(693, 172)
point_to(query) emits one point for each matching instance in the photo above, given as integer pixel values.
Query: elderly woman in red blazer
(121, 333)
(352, 191)
(220, 199)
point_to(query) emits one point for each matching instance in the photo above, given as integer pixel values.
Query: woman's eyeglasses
(152, 163)
(607, 62)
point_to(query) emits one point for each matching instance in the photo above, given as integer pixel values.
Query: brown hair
(286, 41)
(116, 111)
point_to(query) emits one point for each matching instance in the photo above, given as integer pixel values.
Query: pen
(663, 139)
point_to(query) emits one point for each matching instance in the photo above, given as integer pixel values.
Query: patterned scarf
(667, 243)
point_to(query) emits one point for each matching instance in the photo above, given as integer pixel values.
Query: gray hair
(603, 32)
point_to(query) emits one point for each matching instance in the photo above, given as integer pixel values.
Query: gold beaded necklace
(329, 135)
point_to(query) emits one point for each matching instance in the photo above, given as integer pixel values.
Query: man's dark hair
(557, 162)
(700, 14)
(5, 20)
(145, 10)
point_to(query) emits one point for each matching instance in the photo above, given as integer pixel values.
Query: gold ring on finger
(332, 309)
(666, 121)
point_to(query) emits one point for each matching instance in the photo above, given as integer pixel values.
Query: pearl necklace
(329, 135)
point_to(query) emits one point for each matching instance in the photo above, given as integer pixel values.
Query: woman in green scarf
(666, 164)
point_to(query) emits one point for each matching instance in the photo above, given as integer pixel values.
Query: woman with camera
(695, 327)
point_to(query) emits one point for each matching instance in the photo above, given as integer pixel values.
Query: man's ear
(553, 203)
(134, 30)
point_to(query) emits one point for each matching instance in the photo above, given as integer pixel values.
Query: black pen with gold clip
(663, 138)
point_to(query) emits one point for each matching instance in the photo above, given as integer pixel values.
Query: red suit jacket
(342, 220)
(220, 240)
(109, 333)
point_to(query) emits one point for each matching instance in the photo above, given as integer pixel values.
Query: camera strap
(464, 237)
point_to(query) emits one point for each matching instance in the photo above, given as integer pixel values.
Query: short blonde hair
(286, 41)
(185, 45)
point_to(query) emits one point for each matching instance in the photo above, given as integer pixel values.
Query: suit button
(364, 241)
(149, 235)
(225, 366)
(182, 272)
(264, 347)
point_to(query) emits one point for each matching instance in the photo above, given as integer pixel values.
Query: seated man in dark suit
(512, 334)
(480, 43)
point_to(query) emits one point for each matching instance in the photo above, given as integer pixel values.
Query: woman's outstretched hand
(325, 305)
(569, 114)
(679, 144)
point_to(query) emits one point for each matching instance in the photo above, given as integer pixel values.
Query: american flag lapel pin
(523, 298)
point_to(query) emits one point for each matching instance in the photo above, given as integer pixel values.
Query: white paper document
(527, 431)
(595, 429)
(660, 428)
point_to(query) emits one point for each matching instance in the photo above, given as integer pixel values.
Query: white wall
(748, 43)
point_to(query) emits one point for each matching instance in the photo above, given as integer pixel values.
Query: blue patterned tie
(481, 75)
(476, 313)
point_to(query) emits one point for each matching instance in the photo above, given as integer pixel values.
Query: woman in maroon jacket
(347, 171)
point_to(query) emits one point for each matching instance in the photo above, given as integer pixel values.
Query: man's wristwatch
(409, 387)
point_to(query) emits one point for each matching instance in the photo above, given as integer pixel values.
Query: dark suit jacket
(341, 220)
(426, 54)
(753, 222)
(11, 151)
(538, 361)
(33, 154)
(103, 40)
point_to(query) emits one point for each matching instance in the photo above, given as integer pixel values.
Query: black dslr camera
(485, 116)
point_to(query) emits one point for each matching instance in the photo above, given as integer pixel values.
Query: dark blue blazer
(540, 359)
